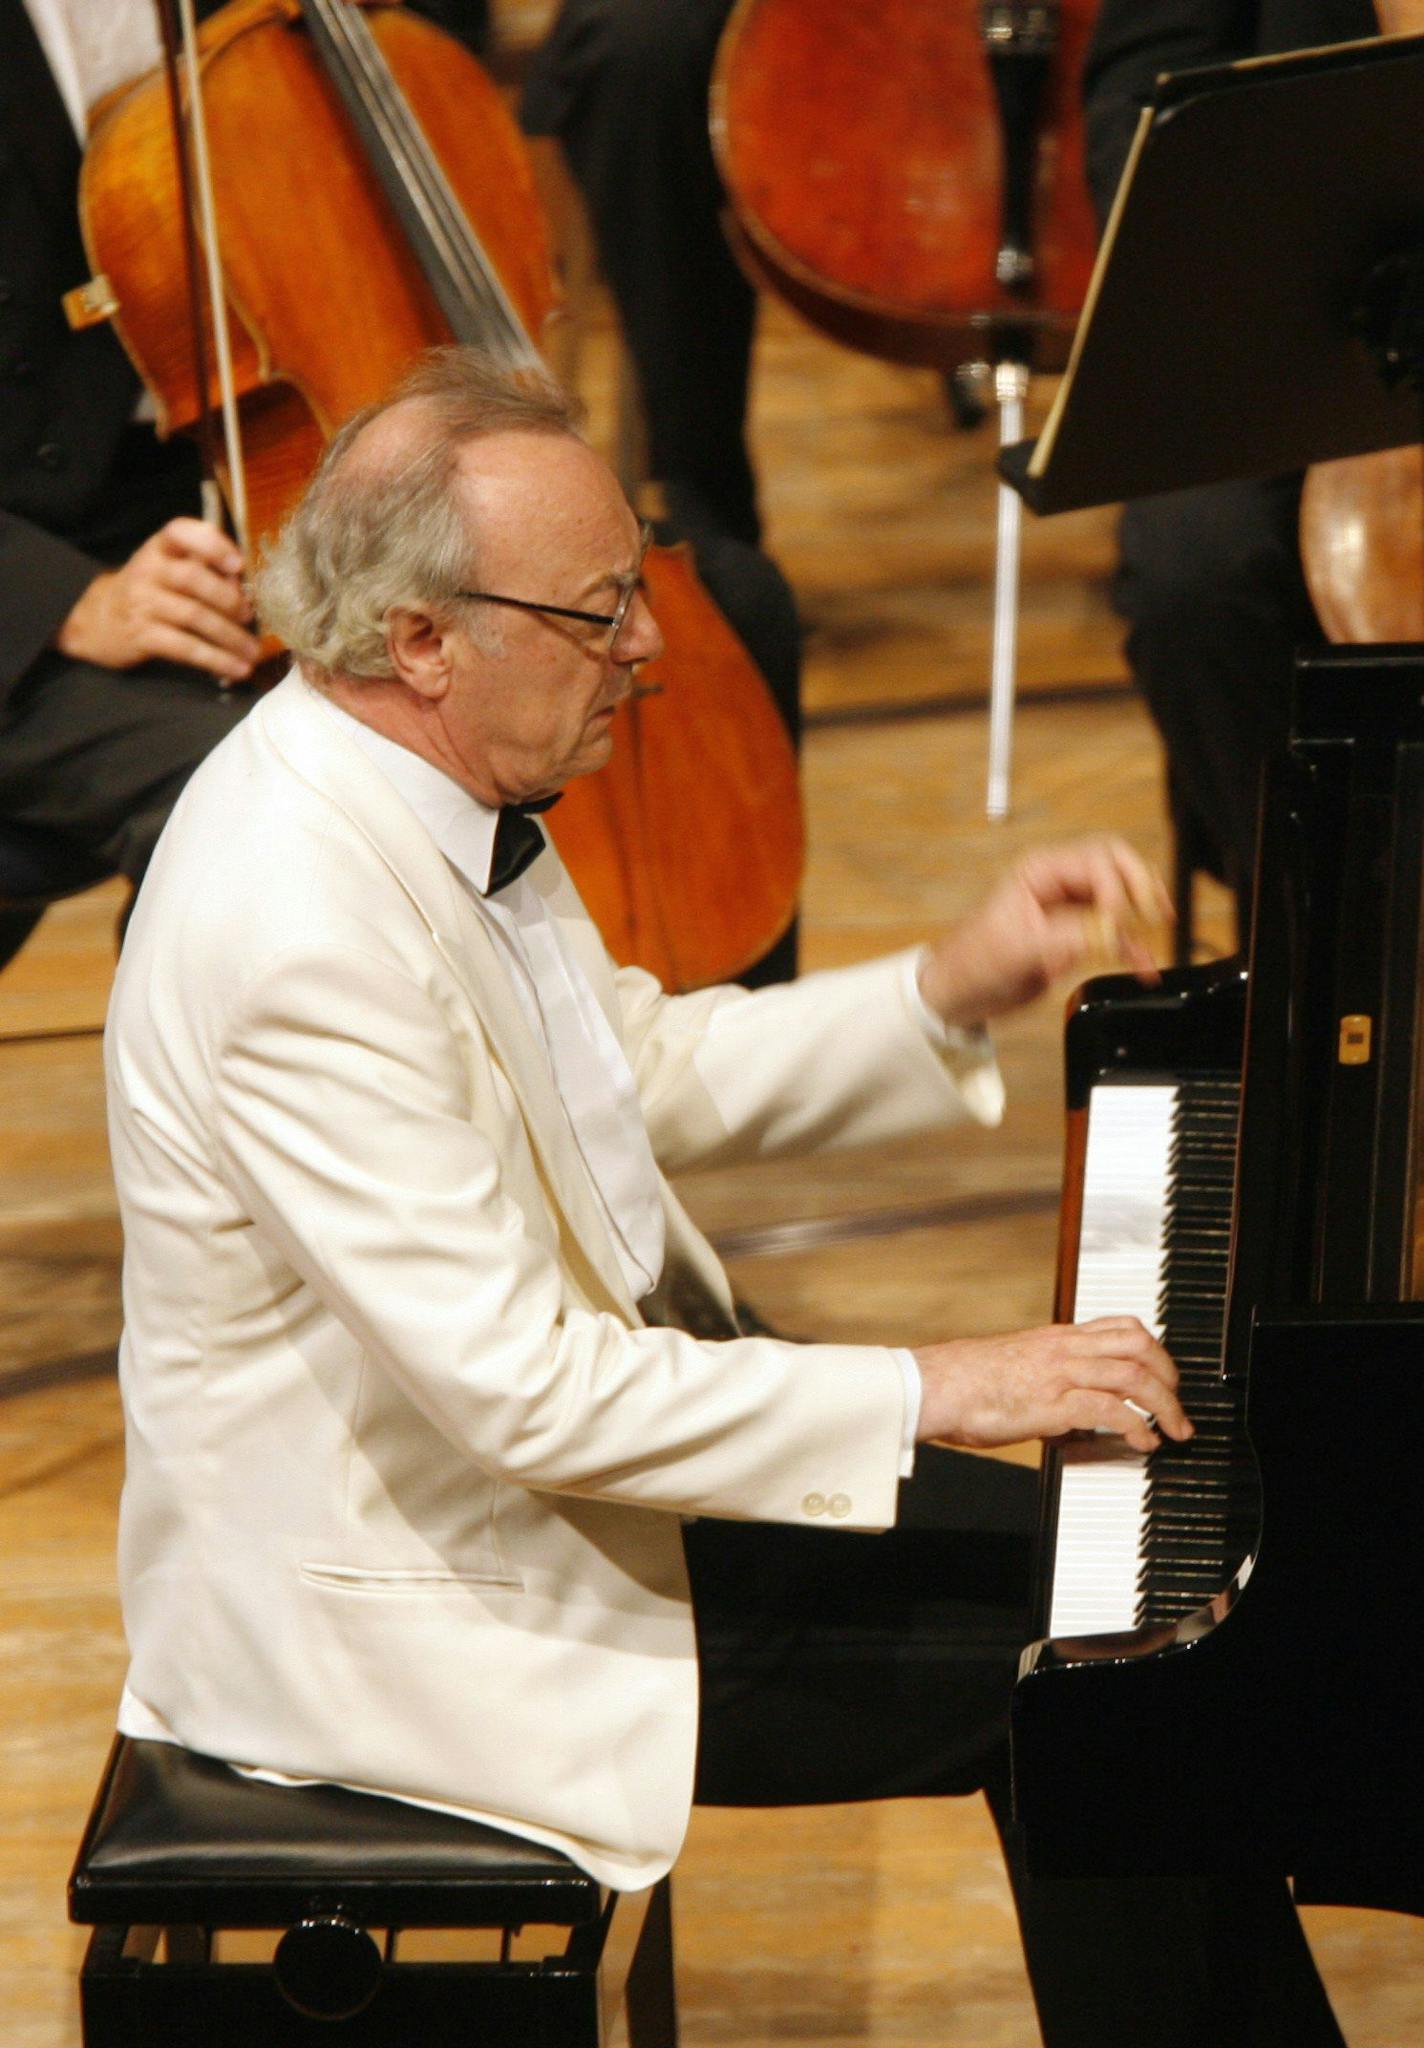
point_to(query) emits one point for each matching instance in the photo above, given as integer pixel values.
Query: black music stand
(1258, 300)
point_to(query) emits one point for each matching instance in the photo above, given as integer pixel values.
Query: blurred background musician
(1210, 580)
(623, 85)
(126, 626)
(124, 616)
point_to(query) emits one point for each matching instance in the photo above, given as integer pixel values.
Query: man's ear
(420, 649)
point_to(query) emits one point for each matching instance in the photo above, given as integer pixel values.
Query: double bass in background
(372, 199)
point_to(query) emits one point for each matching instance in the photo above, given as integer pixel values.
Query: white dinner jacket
(405, 1463)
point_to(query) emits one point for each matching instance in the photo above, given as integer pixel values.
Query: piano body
(1231, 1671)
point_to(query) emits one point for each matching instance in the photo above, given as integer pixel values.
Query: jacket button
(49, 455)
(839, 1504)
(21, 369)
(814, 1504)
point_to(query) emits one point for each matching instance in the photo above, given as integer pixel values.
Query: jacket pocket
(411, 1579)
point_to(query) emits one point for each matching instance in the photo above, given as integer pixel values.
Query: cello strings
(423, 176)
(362, 78)
(482, 280)
(433, 243)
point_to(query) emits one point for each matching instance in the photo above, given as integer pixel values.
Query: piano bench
(228, 1913)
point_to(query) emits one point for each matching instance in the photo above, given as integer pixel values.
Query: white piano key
(1121, 1262)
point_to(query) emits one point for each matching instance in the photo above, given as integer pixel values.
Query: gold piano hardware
(1355, 1037)
(90, 303)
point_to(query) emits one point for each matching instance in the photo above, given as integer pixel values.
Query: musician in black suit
(124, 616)
(623, 85)
(1210, 580)
(125, 627)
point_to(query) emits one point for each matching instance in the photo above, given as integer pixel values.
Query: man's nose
(641, 638)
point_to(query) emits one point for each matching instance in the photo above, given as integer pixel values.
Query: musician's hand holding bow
(178, 598)
(1059, 911)
(1110, 1373)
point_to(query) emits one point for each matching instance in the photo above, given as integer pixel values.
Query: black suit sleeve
(41, 579)
(467, 19)
(1133, 42)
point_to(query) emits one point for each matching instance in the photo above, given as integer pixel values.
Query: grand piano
(1230, 1671)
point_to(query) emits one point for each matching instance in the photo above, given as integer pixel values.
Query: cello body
(1362, 517)
(1362, 545)
(864, 154)
(328, 305)
(688, 846)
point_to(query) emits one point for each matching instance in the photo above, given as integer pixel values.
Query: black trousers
(848, 1667)
(98, 756)
(1211, 585)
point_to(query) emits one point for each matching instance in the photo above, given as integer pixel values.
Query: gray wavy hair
(381, 524)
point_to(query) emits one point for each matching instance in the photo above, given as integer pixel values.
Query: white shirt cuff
(967, 1053)
(914, 1389)
(973, 1038)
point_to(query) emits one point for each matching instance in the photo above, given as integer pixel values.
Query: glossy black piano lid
(1325, 1196)
(1194, 1018)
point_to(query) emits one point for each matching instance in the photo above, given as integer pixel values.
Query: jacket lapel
(313, 747)
(693, 1292)
(34, 117)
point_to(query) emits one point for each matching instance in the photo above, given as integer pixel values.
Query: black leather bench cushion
(176, 1837)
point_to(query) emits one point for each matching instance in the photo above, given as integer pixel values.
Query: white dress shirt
(93, 45)
(591, 1072)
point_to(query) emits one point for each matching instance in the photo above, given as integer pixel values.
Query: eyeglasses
(627, 587)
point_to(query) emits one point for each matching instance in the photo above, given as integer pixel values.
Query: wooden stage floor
(887, 1925)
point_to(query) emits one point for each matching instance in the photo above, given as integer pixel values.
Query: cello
(1362, 517)
(373, 198)
(1362, 545)
(913, 185)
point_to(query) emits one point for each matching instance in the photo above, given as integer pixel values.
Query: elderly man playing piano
(431, 1490)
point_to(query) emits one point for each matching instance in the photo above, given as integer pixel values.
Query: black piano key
(1189, 1486)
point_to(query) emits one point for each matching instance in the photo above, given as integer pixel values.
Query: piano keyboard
(1141, 1538)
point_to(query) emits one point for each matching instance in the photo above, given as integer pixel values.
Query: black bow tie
(518, 841)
